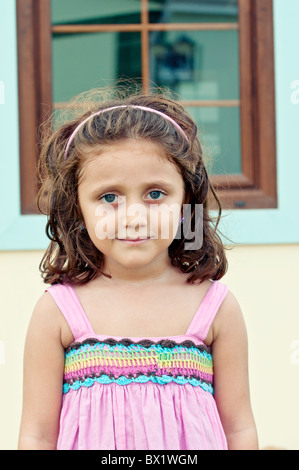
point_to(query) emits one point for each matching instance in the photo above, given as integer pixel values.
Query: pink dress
(152, 393)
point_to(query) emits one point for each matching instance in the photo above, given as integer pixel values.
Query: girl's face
(131, 199)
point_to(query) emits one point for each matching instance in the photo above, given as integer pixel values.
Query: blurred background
(233, 65)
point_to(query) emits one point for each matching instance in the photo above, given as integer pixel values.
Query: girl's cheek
(105, 222)
(165, 221)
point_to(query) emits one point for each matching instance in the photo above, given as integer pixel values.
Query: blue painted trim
(263, 226)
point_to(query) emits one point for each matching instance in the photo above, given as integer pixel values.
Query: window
(216, 55)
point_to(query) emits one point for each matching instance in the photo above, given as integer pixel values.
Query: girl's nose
(134, 218)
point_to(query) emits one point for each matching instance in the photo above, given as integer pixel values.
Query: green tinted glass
(95, 11)
(198, 65)
(193, 11)
(85, 61)
(219, 134)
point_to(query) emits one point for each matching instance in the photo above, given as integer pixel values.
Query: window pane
(219, 134)
(198, 65)
(95, 11)
(193, 11)
(85, 61)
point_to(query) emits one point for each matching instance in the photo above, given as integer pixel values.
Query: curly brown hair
(71, 257)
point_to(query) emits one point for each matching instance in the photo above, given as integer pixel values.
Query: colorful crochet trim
(125, 361)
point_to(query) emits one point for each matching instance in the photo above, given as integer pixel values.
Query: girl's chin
(130, 261)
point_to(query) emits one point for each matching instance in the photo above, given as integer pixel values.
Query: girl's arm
(230, 357)
(43, 374)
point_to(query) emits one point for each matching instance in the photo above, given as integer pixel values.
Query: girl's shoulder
(47, 318)
(229, 317)
(229, 309)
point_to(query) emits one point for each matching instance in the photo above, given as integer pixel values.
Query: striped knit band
(125, 361)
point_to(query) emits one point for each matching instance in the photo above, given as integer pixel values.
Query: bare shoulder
(48, 320)
(229, 318)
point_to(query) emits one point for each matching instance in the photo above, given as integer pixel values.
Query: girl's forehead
(128, 157)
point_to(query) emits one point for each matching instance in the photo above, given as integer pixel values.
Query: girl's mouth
(134, 241)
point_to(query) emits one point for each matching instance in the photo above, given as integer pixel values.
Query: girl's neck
(162, 272)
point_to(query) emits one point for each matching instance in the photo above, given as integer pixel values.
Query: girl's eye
(109, 198)
(156, 194)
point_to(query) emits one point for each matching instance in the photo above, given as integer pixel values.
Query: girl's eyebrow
(121, 186)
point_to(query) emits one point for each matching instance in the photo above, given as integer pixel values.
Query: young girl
(135, 344)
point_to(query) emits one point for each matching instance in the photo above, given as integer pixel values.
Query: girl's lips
(135, 241)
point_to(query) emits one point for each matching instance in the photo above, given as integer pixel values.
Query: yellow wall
(265, 281)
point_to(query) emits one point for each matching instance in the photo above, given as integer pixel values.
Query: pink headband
(176, 125)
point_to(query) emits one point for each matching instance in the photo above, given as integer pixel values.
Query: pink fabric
(139, 416)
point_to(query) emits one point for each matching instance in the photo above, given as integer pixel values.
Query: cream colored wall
(265, 281)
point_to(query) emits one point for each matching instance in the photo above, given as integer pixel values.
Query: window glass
(219, 134)
(84, 61)
(193, 11)
(198, 65)
(202, 65)
(95, 11)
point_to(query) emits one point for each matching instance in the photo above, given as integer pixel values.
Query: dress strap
(69, 304)
(207, 310)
